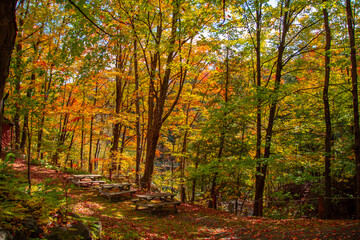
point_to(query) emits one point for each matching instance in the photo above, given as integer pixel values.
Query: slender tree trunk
(351, 27)
(42, 121)
(18, 74)
(69, 151)
(183, 160)
(97, 153)
(196, 167)
(122, 148)
(214, 187)
(82, 142)
(63, 132)
(29, 161)
(92, 133)
(7, 41)
(138, 116)
(90, 168)
(26, 115)
(257, 201)
(328, 134)
(118, 103)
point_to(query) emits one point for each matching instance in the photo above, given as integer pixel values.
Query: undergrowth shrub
(16, 204)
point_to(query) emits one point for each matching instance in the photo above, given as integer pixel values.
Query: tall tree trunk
(258, 107)
(118, 103)
(7, 41)
(214, 187)
(151, 139)
(156, 116)
(328, 134)
(351, 27)
(18, 74)
(184, 145)
(19, 71)
(262, 166)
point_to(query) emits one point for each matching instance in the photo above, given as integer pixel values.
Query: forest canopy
(246, 105)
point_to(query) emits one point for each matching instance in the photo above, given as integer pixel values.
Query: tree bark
(328, 133)
(351, 27)
(8, 31)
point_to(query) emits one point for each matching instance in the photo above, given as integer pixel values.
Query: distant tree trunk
(328, 134)
(196, 168)
(26, 115)
(29, 161)
(138, 116)
(82, 142)
(92, 133)
(193, 190)
(24, 133)
(63, 132)
(69, 151)
(122, 148)
(183, 160)
(97, 153)
(351, 27)
(47, 86)
(7, 41)
(90, 168)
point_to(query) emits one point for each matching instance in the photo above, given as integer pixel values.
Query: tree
(287, 49)
(162, 79)
(328, 133)
(355, 100)
(8, 31)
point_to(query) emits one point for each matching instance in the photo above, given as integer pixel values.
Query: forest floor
(121, 221)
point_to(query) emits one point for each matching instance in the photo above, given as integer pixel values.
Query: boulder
(72, 232)
(5, 235)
